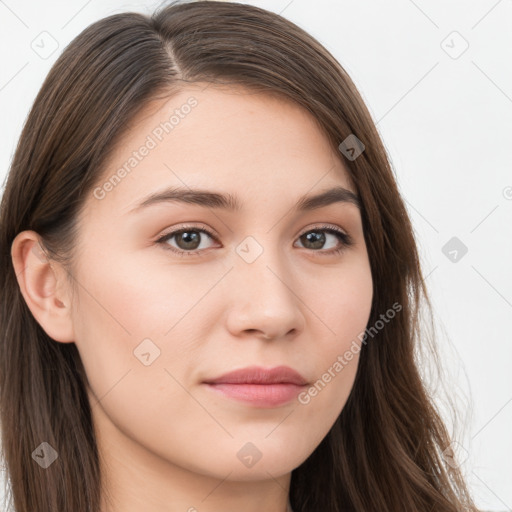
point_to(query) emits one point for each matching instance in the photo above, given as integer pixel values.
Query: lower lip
(261, 395)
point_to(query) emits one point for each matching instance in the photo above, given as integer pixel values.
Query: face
(174, 294)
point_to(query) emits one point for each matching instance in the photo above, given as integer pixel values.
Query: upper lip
(259, 375)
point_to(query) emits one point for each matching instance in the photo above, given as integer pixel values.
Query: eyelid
(321, 227)
(184, 227)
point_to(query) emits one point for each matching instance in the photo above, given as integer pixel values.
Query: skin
(168, 442)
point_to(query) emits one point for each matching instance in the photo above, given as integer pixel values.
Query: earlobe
(42, 287)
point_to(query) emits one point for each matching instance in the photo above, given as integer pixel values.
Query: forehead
(254, 145)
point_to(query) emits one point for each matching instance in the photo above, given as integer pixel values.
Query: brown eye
(188, 240)
(315, 239)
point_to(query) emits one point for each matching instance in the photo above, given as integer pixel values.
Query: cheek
(120, 324)
(343, 313)
(131, 313)
(126, 297)
(342, 302)
(124, 310)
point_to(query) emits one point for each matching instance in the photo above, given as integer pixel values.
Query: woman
(210, 285)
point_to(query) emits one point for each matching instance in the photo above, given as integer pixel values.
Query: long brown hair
(385, 451)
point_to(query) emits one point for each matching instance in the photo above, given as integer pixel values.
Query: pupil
(189, 244)
(317, 238)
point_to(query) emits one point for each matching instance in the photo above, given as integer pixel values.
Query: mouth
(259, 387)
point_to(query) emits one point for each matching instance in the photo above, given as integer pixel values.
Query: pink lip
(259, 386)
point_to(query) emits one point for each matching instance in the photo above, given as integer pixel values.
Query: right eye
(188, 239)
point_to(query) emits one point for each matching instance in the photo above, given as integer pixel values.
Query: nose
(262, 299)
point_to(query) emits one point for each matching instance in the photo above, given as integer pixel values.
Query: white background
(446, 120)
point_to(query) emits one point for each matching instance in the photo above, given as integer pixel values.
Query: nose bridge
(264, 299)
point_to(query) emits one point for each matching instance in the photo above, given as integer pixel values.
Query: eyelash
(344, 238)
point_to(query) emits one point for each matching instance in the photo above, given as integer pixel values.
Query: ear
(43, 287)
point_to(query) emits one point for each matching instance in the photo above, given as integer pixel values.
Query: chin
(250, 461)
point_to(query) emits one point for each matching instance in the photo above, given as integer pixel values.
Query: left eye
(317, 238)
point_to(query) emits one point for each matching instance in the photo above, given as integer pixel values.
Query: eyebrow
(226, 201)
